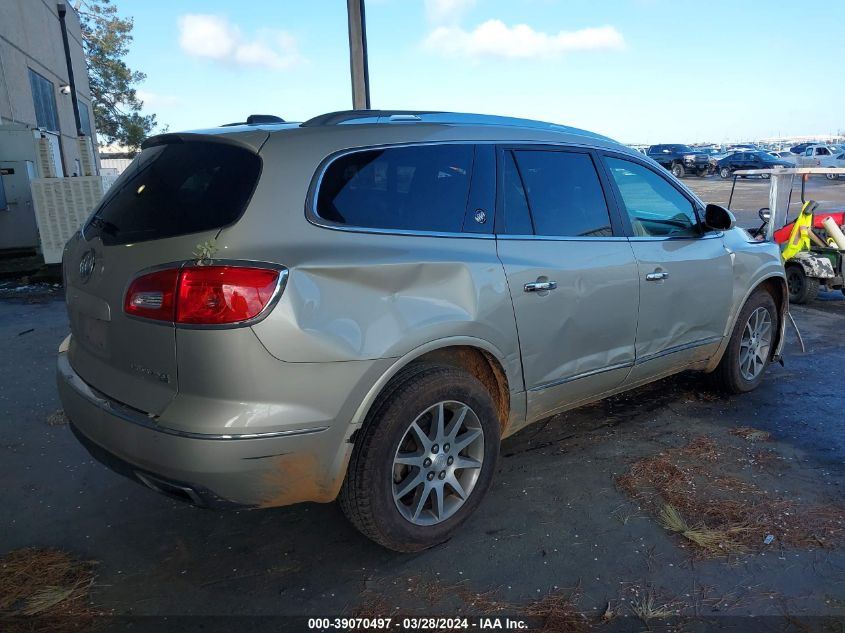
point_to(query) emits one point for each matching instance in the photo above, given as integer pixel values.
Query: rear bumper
(212, 470)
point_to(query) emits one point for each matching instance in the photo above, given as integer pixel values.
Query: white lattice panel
(86, 156)
(61, 206)
(45, 158)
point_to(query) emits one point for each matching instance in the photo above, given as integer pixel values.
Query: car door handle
(538, 286)
(657, 276)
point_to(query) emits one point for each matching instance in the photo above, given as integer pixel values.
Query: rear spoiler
(251, 140)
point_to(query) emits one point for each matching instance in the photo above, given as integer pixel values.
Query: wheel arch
(775, 285)
(476, 356)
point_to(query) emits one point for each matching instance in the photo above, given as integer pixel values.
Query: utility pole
(358, 54)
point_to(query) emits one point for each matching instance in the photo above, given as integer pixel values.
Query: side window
(656, 208)
(809, 152)
(44, 101)
(564, 193)
(421, 188)
(516, 219)
(85, 119)
(823, 151)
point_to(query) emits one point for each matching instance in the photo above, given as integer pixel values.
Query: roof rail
(257, 119)
(435, 116)
(358, 116)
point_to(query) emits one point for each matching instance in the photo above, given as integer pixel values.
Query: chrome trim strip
(358, 229)
(562, 238)
(678, 348)
(689, 238)
(313, 190)
(586, 374)
(128, 414)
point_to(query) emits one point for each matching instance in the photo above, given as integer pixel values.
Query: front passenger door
(685, 272)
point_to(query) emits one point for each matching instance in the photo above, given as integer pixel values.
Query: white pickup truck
(822, 156)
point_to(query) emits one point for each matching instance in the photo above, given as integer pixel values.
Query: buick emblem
(86, 266)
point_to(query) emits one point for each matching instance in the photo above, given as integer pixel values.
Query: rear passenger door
(685, 271)
(571, 272)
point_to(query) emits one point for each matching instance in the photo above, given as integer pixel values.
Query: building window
(44, 99)
(85, 119)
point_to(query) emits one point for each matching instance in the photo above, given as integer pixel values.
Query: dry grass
(751, 434)
(57, 418)
(558, 613)
(715, 541)
(703, 448)
(695, 495)
(647, 608)
(555, 612)
(48, 586)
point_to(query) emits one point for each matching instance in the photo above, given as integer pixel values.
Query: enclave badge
(86, 266)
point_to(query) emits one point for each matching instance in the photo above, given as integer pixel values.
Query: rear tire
(831, 176)
(750, 347)
(678, 170)
(373, 495)
(802, 289)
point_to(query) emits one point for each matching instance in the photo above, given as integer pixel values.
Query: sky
(639, 71)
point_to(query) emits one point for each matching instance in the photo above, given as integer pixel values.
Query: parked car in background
(821, 156)
(786, 155)
(273, 313)
(799, 149)
(836, 161)
(749, 160)
(680, 159)
(743, 147)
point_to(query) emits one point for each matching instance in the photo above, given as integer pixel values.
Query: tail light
(202, 295)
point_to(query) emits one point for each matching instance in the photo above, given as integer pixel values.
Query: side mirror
(718, 218)
(765, 214)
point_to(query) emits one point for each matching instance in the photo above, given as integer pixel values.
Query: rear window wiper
(104, 225)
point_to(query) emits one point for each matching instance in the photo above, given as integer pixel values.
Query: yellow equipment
(799, 238)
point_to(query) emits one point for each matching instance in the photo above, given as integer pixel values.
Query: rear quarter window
(176, 189)
(418, 188)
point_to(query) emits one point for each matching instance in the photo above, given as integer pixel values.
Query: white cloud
(494, 38)
(215, 37)
(156, 100)
(447, 11)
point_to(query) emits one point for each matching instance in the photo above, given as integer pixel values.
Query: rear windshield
(176, 189)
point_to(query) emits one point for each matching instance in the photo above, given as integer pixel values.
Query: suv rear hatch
(176, 195)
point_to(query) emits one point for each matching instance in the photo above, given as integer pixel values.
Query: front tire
(725, 173)
(750, 347)
(424, 459)
(802, 289)
(831, 176)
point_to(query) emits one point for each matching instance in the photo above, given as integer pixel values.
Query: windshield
(765, 157)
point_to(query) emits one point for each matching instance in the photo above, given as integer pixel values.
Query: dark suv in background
(680, 159)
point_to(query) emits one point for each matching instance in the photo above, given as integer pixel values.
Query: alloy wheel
(756, 344)
(437, 463)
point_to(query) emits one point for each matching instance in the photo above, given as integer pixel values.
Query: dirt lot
(576, 528)
(753, 193)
